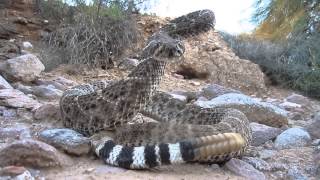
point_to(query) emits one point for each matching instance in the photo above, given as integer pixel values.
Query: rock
(298, 99)
(190, 95)
(23, 88)
(12, 170)
(24, 176)
(314, 127)
(16, 132)
(48, 111)
(289, 106)
(4, 84)
(66, 139)
(179, 97)
(293, 137)
(16, 99)
(267, 154)
(260, 112)
(262, 133)
(51, 83)
(64, 81)
(195, 83)
(48, 92)
(27, 45)
(178, 76)
(257, 163)
(296, 116)
(244, 169)
(8, 113)
(214, 90)
(33, 153)
(295, 174)
(128, 64)
(60, 83)
(24, 68)
(316, 142)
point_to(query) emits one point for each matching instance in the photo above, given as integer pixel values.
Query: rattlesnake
(189, 134)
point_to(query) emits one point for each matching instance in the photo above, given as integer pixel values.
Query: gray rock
(214, 90)
(33, 153)
(260, 112)
(299, 99)
(295, 174)
(4, 84)
(257, 163)
(244, 169)
(16, 132)
(179, 97)
(27, 45)
(8, 113)
(262, 133)
(293, 137)
(191, 95)
(66, 139)
(23, 68)
(64, 81)
(296, 116)
(48, 92)
(289, 106)
(314, 126)
(16, 99)
(23, 88)
(267, 154)
(60, 83)
(24, 176)
(316, 142)
(48, 111)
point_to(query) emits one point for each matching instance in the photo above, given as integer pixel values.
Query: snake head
(163, 47)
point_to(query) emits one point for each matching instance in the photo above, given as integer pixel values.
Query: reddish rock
(32, 153)
(48, 111)
(12, 170)
(244, 169)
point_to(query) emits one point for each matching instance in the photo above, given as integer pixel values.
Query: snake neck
(150, 72)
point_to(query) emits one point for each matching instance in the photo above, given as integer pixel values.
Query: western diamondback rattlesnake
(190, 134)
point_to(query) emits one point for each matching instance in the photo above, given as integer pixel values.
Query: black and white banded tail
(149, 156)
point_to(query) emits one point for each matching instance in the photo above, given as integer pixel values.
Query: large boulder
(207, 52)
(256, 111)
(23, 68)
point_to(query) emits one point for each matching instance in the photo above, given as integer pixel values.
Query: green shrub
(309, 83)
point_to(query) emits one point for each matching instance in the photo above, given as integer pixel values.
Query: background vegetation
(286, 43)
(96, 34)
